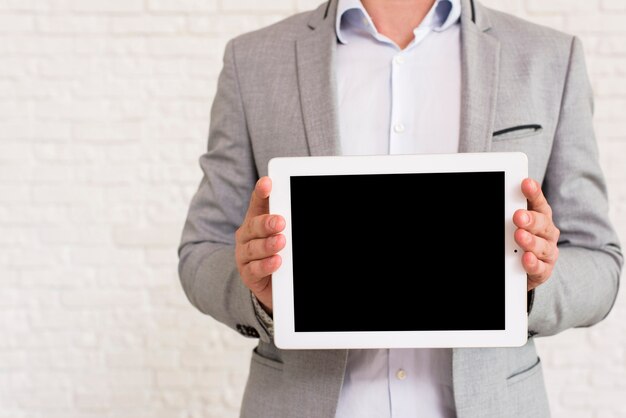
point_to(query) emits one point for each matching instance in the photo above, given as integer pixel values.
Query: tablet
(399, 251)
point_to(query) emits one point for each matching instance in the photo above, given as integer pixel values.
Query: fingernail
(273, 222)
(525, 218)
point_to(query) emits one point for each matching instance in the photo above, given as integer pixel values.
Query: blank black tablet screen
(398, 252)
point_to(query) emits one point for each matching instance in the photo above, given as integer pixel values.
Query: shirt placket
(398, 121)
(398, 381)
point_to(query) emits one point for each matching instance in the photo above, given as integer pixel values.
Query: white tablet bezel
(515, 167)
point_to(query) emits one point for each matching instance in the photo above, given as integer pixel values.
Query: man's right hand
(258, 240)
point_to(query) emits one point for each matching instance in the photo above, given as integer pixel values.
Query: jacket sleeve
(207, 268)
(584, 283)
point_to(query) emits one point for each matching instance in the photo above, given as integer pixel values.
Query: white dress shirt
(394, 101)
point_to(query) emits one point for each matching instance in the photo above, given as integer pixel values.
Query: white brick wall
(104, 108)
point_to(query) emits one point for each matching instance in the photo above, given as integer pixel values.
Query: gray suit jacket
(525, 88)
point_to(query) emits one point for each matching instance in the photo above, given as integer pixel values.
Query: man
(394, 77)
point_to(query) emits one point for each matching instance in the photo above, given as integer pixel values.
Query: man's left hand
(537, 235)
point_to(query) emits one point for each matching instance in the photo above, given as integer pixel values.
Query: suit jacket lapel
(315, 56)
(480, 59)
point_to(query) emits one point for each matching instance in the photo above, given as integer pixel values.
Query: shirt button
(398, 128)
(398, 60)
(401, 374)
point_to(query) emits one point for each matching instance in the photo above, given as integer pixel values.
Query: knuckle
(538, 272)
(250, 226)
(249, 249)
(554, 256)
(238, 254)
(238, 233)
(260, 226)
(535, 279)
(266, 265)
(540, 279)
(547, 209)
(245, 274)
(253, 269)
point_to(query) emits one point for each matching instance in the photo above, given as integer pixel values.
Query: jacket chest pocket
(516, 132)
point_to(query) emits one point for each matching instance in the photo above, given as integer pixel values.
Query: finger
(538, 271)
(258, 270)
(261, 226)
(259, 201)
(541, 248)
(536, 199)
(258, 249)
(537, 224)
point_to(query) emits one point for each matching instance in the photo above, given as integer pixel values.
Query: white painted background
(104, 111)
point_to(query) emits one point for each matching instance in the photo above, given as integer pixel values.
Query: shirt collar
(352, 14)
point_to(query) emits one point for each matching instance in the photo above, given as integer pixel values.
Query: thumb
(259, 202)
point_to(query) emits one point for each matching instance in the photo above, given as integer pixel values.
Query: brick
(15, 151)
(64, 67)
(189, 88)
(65, 193)
(38, 45)
(139, 358)
(175, 379)
(162, 257)
(103, 256)
(14, 66)
(258, 6)
(118, 131)
(610, 109)
(177, 46)
(90, 89)
(69, 153)
(612, 45)
(26, 5)
(157, 236)
(14, 193)
(182, 5)
(70, 234)
(147, 24)
(9, 298)
(609, 87)
(100, 298)
(306, 5)
(217, 24)
(555, 21)
(561, 6)
(87, 24)
(613, 5)
(107, 5)
(43, 399)
(596, 23)
(15, 23)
